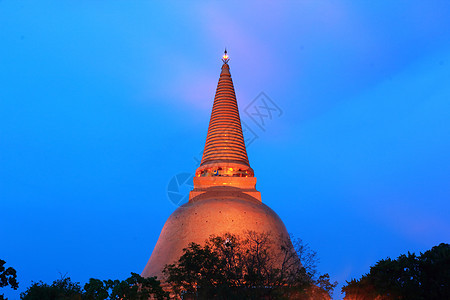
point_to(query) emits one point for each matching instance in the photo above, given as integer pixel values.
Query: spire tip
(225, 57)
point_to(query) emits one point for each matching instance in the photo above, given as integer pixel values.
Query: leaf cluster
(411, 277)
(232, 267)
(8, 276)
(133, 288)
(60, 289)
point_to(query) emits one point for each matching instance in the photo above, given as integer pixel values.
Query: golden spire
(225, 153)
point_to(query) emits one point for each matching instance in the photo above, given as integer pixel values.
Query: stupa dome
(232, 212)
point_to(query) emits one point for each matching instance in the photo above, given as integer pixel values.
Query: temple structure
(224, 198)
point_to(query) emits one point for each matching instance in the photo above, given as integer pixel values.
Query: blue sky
(103, 102)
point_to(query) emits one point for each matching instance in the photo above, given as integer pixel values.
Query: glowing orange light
(225, 56)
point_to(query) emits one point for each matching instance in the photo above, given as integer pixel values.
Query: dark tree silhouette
(133, 288)
(61, 289)
(411, 277)
(8, 276)
(230, 267)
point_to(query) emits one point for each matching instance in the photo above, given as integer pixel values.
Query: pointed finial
(225, 57)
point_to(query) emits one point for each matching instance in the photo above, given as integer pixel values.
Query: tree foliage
(411, 277)
(231, 267)
(60, 289)
(133, 288)
(8, 276)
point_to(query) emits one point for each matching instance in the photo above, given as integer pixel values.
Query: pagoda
(224, 198)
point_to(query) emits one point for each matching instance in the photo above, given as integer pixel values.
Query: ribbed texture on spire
(225, 141)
